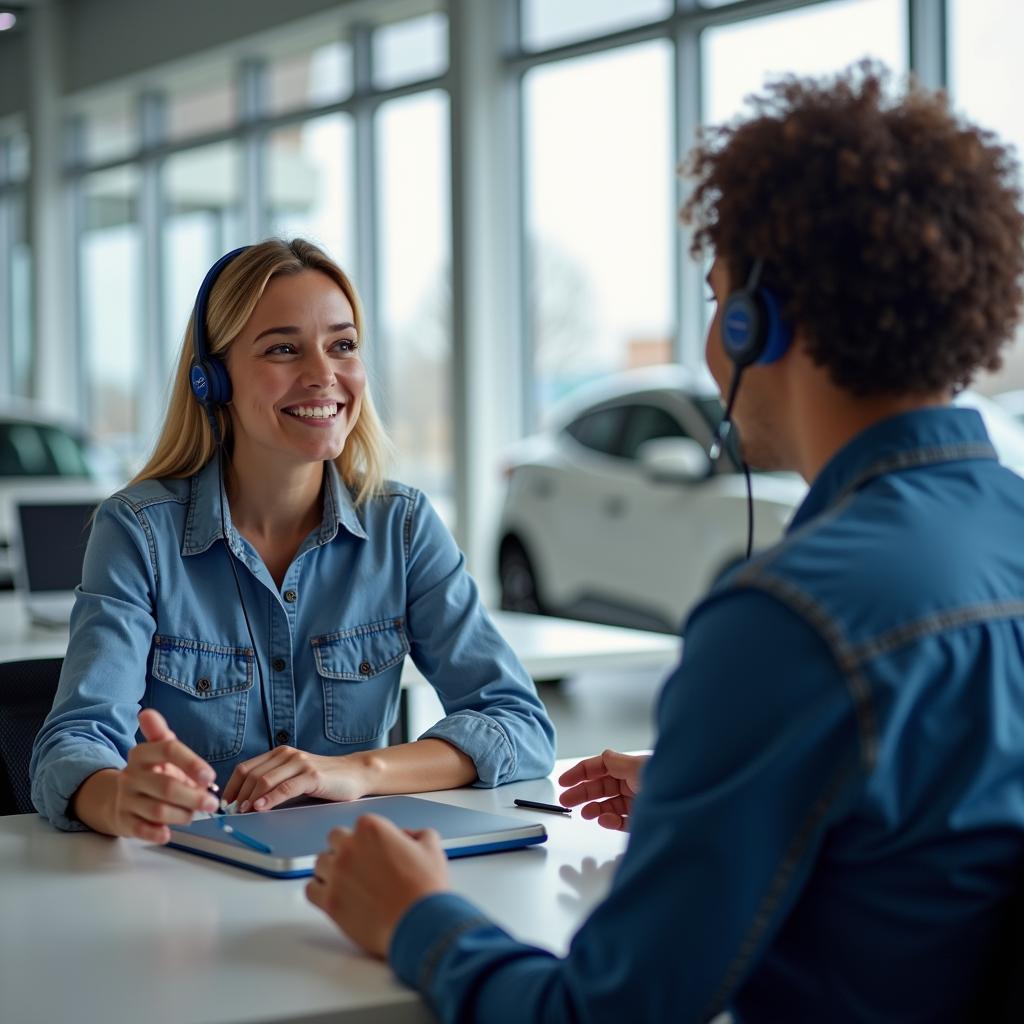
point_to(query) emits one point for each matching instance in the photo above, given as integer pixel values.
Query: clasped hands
(371, 875)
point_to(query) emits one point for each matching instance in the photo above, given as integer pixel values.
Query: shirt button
(203, 685)
(282, 736)
(290, 596)
(365, 668)
(278, 664)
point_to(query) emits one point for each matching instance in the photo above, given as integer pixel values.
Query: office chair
(27, 689)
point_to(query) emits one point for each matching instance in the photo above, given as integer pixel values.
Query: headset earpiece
(208, 375)
(753, 331)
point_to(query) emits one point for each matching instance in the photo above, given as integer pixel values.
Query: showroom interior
(499, 177)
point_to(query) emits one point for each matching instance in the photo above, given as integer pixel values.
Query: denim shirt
(833, 816)
(157, 623)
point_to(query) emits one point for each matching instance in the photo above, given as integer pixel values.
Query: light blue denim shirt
(157, 623)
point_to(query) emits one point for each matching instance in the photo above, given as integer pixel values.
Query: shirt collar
(919, 438)
(203, 523)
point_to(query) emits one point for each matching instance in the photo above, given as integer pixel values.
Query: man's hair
(889, 227)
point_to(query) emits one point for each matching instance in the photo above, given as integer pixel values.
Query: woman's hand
(605, 785)
(285, 773)
(369, 878)
(164, 783)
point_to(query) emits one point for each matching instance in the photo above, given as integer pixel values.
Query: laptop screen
(53, 539)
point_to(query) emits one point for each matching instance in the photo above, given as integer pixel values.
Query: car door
(588, 503)
(674, 537)
(657, 542)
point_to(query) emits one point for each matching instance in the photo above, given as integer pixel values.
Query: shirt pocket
(361, 672)
(203, 693)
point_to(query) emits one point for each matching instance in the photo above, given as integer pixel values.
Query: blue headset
(753, 331)
(208, 375)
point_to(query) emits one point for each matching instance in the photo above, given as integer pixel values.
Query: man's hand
(369, 878)
(164, 783)
(605, 785)
(284, 773)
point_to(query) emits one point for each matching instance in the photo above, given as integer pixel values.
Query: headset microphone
(753, 333)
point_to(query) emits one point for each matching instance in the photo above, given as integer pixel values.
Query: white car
(45, 458)
(615, 514)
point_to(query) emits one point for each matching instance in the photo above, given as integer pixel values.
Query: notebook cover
(296, 835)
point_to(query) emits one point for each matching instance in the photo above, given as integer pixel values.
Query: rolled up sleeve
(493, 713)
(94, 719)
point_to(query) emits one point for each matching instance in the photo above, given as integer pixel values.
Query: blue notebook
(295, 836)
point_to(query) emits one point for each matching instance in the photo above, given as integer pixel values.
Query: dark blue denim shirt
(833, 816)
(157, 623)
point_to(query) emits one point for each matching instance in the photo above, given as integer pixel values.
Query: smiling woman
(170, 682)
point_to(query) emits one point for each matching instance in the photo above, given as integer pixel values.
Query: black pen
(537, 805)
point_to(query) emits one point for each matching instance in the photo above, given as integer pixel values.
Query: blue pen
(244, 839)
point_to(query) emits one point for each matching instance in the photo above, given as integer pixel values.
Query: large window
(814, 40)
(202, 215)
(985, 72)
(309, 187)
(599, 218)
(109, 254)
(414, 320)
(552, 22)
(20, 294)
(15, 267)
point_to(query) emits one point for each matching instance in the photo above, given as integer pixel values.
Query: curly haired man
(832, 822)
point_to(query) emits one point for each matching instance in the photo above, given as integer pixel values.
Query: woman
(258, 608)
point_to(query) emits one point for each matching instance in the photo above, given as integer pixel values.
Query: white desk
(547, 647)
(101, 931)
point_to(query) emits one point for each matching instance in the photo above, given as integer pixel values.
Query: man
(833, 817)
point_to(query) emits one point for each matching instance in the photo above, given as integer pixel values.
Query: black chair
(27, 689)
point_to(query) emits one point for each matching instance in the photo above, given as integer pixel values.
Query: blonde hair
(186, 441)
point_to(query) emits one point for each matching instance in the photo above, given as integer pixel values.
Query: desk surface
(548, 647)
(100, 931)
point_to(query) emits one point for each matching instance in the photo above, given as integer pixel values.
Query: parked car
(615, 513)
(44, 457)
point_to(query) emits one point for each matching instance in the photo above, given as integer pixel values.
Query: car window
(23, 451)
(66, 452)
(600, 430)
(647, 423)
(30, 449)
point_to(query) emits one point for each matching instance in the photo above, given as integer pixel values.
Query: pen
(244, 839)
(214, 790)
(537, 805)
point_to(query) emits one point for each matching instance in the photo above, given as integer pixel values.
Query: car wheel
(518, 581)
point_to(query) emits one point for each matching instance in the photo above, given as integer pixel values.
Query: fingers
(611, 814)
(162, 788)
(593, 790)
(280, 769)
(316, 893)
(615, 822)
(172, 751)
(283, 783)
(589, 768)
(154, 726)
(141, 829)
(246, 771)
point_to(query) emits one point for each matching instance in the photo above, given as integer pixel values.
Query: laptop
(50, 537)
(285, 842)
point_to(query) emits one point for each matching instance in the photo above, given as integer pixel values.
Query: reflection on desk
(101, 931)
